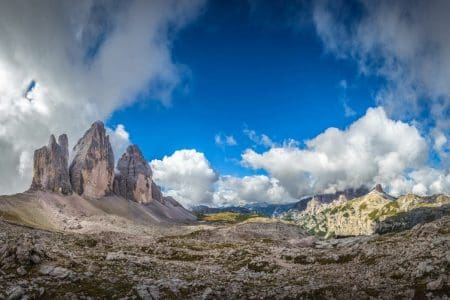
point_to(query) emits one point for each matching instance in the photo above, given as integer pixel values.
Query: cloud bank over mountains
(65, 64)
(374, 149)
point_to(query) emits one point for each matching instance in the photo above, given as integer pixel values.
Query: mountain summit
(134, 180)
(50, 170)
(92, 169)
(88, 195)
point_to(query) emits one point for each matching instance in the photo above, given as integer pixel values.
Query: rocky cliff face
(371, 213)
(91, 175)
(50, 167)
(134, 181)
(92, 169)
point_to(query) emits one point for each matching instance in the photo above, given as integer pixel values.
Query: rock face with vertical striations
(134, 180)
(92, 169)
(50, 167)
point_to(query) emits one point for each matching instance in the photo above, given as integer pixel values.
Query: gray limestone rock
(92, 169)
(50, 168)
(134, 180)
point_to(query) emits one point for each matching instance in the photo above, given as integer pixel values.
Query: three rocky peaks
(91, 172)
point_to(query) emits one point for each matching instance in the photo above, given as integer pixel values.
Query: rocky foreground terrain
(249, 260)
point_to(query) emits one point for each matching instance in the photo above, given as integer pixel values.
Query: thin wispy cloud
(225, 140)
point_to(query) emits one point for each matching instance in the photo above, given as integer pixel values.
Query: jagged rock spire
(378, 188)
(134, 178)
(50, 166)
(92, 169)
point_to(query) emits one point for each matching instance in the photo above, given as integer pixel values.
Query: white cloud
(235, 191)
(119, 139)
(88, 58)
(424, 181)
(406, 43)
(373, 149)
(187, 176)
(227, 140)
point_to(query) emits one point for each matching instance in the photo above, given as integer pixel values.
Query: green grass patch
(228, 217)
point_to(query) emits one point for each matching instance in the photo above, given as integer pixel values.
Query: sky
(235, 102)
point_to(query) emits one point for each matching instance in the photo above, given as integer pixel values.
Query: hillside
(74, 213)
(371, 213)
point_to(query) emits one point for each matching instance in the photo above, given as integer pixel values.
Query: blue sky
(317, 96)
(277, 80)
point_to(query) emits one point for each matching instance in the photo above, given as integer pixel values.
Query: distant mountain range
(277, 210)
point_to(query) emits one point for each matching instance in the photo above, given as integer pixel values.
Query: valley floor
(248, 260)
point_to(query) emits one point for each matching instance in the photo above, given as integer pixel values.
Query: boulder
(134, 181)
(92, 169)
(50, 167)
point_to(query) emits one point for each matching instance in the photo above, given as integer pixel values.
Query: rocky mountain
(92, 169)
(88, 195)
(50, 171)
(134, 180)
(375, 212)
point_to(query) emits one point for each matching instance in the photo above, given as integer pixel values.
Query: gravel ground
(251, 260)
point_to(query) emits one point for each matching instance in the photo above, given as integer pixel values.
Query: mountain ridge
(89, 191)
(368, 214)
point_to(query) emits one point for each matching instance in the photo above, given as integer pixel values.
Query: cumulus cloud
(187, 176)
(373, 149)
(65, 64)
(425, 181)
(227, 140)
(406, 43)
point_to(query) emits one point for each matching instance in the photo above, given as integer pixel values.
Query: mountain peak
(134, 182)
(378, 188)
(50, 166)
(92, 169)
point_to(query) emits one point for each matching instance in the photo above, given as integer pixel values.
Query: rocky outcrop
(134, 178)
(92, 169)
(378, 188)
(375, 212)
(91, 175)
(50, 167)
(156, 192)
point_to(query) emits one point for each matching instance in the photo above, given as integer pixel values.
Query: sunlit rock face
(134, 178)
(92, 169)
(375, 212)
(50, 167)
